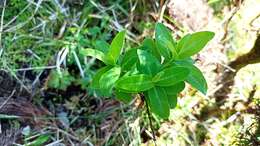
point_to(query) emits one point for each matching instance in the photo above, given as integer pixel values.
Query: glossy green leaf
(147, 63)
(171, 76)
(188, 60)
(195, 78)
(123, 96)
(94, 53)
(116, 47)
(175, 89)
(158, 102)
(135, 83)
(132, 71)
(173, 92)
(150, 46)
(172, 99)
(182, 42)
(95, 81)
(108, 79)
(130, 58)
(164, 41)
(102, 46)
(164, 51)
(193, 43)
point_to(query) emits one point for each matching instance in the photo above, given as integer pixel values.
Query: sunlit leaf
(195, 78)
(193, 43)
(148, 64)
(130, 58)
(116, 47)
(95, 81)
(158, 102)
(108, 79)
(94, 53)
(182, 42)
(171, 76)
(164, 41)
(150, 46)
(135, 83)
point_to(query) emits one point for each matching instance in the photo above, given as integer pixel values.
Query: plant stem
(150, 120)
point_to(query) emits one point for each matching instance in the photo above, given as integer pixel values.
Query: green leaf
(102, 46)
(135, 83)
(164, 41)
(172, 99)
(172, 93)
(175, 89)
(123, 96)
(150, 46)
(171, 76)
(94, 53)
(132, 71)
(108, 79)
(193, 43)
(60, 81)
(182, 41)
(129, 60)
(195, 78)
(147, 63)
(116, 47)
(95, 81)
(188, 60)
(54, 80)
(39, 141)
(158, 102)
(163, 51)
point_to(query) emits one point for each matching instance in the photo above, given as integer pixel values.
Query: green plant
(60, 80)
(157, 69)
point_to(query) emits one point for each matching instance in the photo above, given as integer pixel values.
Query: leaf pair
(105, 78)
(145, 57)
(195, 78)
(111, 56)
(189, 45)
(143, 82)
(162, 99)
(168, 84)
